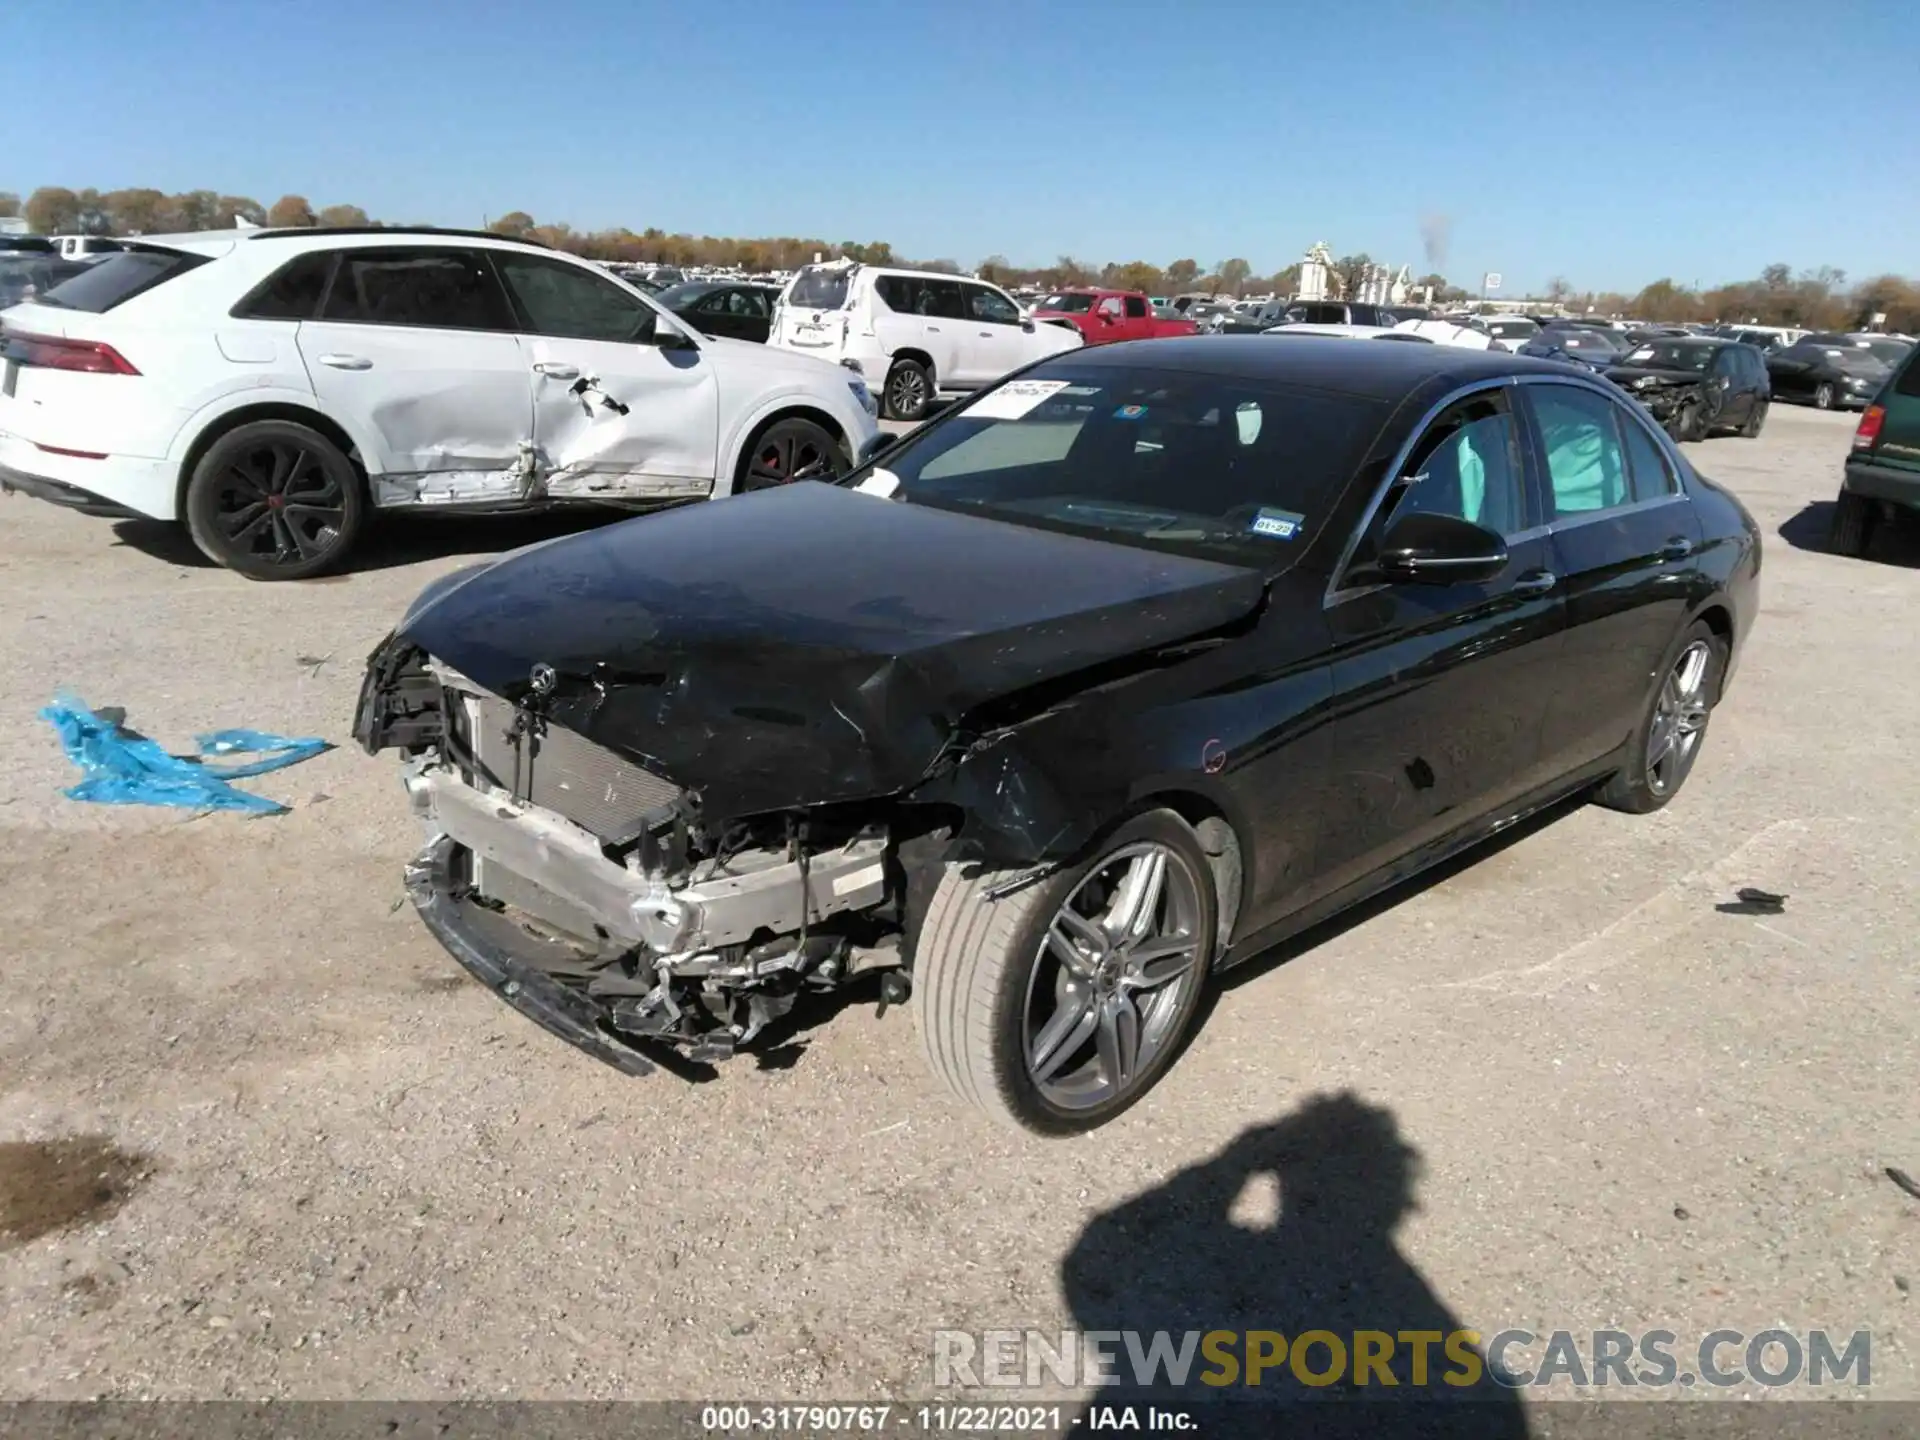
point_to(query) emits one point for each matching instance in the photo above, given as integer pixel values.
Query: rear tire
(1854, 519)
(1024, 1020)
(909, 390)
(275, 500)
(1755, 422)
(1673, 724)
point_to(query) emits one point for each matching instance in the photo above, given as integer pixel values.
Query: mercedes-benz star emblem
(542, 679)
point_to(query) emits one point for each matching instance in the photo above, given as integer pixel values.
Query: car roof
(1375, 371)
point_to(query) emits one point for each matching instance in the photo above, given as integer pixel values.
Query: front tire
(1058, 1006)
(1823, 396)
(788, 450)
(1755, 422)
(275, 500)
(1673, 725)
(1686, 422)
(1854, 520)
(909, 390)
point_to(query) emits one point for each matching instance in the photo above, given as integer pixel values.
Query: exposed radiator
(558, 770)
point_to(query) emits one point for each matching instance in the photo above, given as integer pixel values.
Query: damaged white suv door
(623, 406)
(415, 350)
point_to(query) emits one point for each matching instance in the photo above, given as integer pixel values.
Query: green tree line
(1818, 298)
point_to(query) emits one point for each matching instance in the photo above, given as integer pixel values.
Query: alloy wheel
(1823, 397)
(278, 504)
(1113, 976)
(790, 452)
(906, 391)
(1679, 719)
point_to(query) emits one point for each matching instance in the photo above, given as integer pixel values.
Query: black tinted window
(1909, 381)
(1222, 466)
(943, 298)
(292, 292)
(434, 289)
(900, 293)
(556, 298)
(819, 289)
(1136, 308)
(118, 278)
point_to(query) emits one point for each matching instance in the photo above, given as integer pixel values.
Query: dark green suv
(1883, 472)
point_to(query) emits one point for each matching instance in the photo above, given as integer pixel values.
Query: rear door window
(1586, 459)
(1136, 308)
(428, 288)
(1650, 477)
(942, 299)
(118, 278)
(1909, 381)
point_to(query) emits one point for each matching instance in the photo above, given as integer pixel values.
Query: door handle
(1678, 547)
(986, 334)
(347, 362)
(1535, 582)
(554, 370)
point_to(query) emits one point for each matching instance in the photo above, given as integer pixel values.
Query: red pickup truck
(1102, 316)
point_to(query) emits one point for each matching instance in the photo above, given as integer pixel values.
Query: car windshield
(1222, 467)
(1067, 304)
(1671, 355)
(819, 288)
(1511, 329)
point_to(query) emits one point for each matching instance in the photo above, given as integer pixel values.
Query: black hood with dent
(1627, 374)
(810, 644)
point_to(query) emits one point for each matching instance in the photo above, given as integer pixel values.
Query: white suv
(273, 388)
(916, 335)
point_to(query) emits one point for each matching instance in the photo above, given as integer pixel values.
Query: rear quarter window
(118, 278)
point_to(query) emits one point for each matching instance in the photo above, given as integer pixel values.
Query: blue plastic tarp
(120, 767)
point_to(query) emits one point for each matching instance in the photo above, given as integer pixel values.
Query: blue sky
(1609, 141)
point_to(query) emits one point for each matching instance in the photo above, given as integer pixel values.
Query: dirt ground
(258, 1136)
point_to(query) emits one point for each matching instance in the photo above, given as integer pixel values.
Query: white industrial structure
(1380, 285)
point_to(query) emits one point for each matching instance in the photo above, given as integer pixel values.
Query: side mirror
(1440, 550)
(665, 337)
(1027, 325)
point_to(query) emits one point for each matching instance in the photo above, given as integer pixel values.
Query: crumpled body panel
(810, 645)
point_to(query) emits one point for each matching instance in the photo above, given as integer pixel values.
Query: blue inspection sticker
(1276, 524)
(1130, 412)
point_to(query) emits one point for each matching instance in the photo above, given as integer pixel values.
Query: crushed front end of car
(589, 893)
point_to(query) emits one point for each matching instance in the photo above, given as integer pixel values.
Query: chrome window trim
(1335, 592)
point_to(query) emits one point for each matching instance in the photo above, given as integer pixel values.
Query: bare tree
(1233, 275)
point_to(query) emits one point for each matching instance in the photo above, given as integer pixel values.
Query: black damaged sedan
(1107, 680)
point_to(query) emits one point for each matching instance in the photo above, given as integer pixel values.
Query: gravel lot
(334, 1167)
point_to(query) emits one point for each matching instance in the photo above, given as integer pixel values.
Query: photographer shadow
(1185, 1257)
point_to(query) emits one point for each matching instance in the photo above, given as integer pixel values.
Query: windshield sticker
(881, 483)
(1014, 399)
(1276, 524)
(1644, 353)
(1130, 412)
(1081, 390)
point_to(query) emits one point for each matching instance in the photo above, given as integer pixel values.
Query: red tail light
(1869, 430)
(94, 357)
